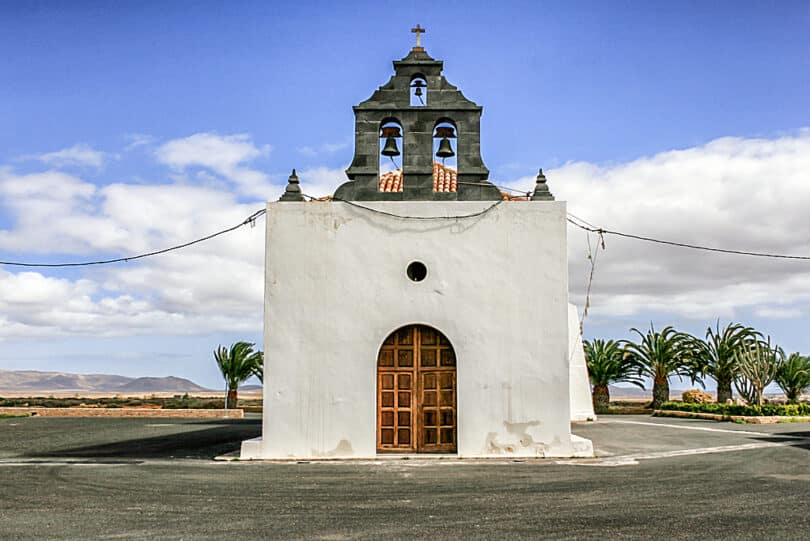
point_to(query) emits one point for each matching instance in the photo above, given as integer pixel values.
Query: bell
(390, 149)
(445, 149)
(418, 91)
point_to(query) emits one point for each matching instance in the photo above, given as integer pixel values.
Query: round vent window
(417, 271)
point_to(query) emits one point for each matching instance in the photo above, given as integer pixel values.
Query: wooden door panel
(416, 392)
(395, 406)
(396, 375)
(438, 412)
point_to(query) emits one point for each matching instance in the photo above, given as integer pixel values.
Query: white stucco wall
(336, 287)
(581, 402)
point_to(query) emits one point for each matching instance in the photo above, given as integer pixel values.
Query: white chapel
(419, 309)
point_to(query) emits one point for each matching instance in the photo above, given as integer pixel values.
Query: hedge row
(786, 410)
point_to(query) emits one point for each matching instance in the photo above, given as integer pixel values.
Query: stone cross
(418, 31)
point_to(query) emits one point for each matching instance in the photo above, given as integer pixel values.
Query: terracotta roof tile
(391, 181)
(509, 197)
(445, 179)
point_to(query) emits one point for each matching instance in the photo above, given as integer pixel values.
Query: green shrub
(696, 396)
(784, 410)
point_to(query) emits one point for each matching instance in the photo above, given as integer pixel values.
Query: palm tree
(258, 370)
(715, 354)
(659, 355)
(793, 376)
(607, 364)
(237, 364)
(758, 366)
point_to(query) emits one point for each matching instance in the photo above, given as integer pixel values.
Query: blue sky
(107, 108)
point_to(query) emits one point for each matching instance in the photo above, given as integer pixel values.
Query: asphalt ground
(71, 478)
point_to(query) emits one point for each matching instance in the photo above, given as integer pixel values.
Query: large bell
(445, 149)
(390, 149)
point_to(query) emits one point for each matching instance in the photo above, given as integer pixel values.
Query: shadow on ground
(782, 436)
(205, 443)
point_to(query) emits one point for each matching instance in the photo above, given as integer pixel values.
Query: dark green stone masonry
(445, 103)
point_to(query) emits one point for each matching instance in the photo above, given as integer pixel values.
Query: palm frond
(793, 376)
(607, 364)
(658, 355)
(237, 363)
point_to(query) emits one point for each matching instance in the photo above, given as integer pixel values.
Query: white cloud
(777, 312)
(746, 194)
(210, 287)
(79, 155)
(53, 212)
(34, 305)
(216, 286)
(321, 181)
(741, 193)
(320, 150)
(225, 155)
(136, 140)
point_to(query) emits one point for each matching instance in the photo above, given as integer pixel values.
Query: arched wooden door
(416, 392)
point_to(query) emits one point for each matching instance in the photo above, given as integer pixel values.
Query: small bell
(390, 148)
(445, 149)
(418, 85)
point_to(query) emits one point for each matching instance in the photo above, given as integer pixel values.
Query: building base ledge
(252, 450)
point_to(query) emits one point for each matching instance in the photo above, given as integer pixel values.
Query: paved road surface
(153, 479)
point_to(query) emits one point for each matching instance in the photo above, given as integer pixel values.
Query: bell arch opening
(418, 88)
(445, 152)
(416, 392)
(390, 172)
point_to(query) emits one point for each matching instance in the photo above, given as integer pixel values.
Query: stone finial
(293, 191)
(541, 191)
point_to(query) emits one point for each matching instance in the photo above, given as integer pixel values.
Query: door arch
(416, 392)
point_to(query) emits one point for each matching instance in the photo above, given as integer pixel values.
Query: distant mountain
(628, 392)
(32, 380)
(36, 381)
(635, 393)
(157, 385)
(250, 387)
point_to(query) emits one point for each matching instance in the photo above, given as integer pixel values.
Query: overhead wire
(248, 221)
(409, 217)
(571, 218)
(504, 188)
(592, 256)
(603, 231)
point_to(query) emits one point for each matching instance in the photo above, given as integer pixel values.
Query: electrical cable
(604, 231)
(406, 217)
(505, 188)
(574, 216)
(572, 219)
(592, 256)
(249, 220)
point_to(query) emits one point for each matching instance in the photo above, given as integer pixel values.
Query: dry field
(77, 393)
